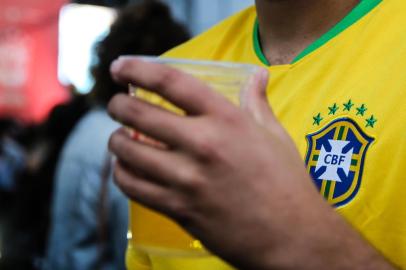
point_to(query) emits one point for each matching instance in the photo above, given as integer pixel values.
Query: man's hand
(230, 176)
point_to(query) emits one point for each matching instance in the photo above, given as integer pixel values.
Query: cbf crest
(335, 159)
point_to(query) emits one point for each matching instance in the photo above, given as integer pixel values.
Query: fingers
(149, 119)
(183, 90)
(255, 102)
(139, 189)
(166, 168)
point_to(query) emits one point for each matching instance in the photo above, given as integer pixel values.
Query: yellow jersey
(343, 101)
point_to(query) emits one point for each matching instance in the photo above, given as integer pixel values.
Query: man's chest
(349, 126)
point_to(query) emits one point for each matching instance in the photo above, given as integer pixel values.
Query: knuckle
(207, 149)
(186, 174)
(167, 76)
(124, 108)
(191, 180)
(197, 187)
(132, 112)
(179, 210)
(231, 117)
(207, 145)
(136, 110)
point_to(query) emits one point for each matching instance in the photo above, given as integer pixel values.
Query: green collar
(363, 8)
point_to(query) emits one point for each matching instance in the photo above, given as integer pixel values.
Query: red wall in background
(29, 86)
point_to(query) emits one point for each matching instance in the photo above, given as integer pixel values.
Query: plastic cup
(149, 231)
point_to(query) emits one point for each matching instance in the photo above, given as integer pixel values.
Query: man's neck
(287, 27)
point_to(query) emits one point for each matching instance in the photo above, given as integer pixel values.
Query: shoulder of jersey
(200, 46)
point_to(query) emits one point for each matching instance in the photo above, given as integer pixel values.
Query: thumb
(254, 100)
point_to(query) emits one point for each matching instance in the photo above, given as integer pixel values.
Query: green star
(361, 110)
(333, 109)
(348, 105)
(317, 119)
(371, 121)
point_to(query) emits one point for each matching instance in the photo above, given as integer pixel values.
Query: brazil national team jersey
(343, 101)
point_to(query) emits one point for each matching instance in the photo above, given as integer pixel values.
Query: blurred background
(47, 51)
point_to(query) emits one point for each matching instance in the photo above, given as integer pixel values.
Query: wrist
(320, 239)
(311, 246)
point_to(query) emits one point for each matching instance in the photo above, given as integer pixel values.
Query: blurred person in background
(89, 217)
(28, 220)
(13, 159)
(12, 155)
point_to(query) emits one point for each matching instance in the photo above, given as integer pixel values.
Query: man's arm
(232, 179)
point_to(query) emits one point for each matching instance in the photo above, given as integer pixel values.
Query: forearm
(326, 243)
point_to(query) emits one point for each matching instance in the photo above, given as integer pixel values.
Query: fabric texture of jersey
(343, 103)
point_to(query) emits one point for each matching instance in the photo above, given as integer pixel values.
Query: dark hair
(7, 125)
(143, 29)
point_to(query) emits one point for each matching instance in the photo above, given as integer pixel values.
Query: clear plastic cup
(150, 232)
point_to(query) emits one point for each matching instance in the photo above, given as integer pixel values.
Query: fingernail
(115, 66)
